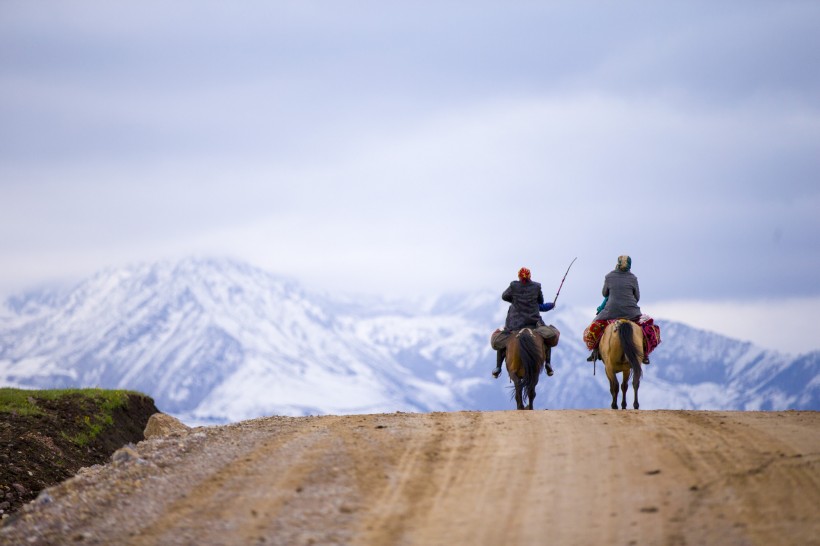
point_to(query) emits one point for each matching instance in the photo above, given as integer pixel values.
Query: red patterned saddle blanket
(651, 332)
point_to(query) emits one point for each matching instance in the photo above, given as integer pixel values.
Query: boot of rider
(594, 355)
(500, 354)
(547, 366)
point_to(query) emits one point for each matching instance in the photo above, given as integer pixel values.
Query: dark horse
(525, 360)
(621, 350)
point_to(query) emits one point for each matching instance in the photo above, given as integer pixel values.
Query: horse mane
(625, 333)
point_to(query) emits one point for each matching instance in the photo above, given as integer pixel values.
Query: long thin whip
(562, 281)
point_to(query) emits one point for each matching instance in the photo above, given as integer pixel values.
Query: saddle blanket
(651, 332)
(499, 338)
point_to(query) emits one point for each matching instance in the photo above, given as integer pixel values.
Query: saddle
(550, 335)
(651, 332)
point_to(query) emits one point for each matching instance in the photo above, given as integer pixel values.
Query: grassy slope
(46, 436)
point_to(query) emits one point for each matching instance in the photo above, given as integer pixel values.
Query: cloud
(412, 149)
(482, 184)
(774, 324)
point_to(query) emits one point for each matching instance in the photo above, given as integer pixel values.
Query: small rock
(44, 498)
(5, 505)
(19, 488)
(161, 424)
(125, 454)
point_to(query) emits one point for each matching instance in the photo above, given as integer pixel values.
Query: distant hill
(221, 341)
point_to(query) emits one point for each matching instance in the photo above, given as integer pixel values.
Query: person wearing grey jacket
(526, 305)
(621, 295)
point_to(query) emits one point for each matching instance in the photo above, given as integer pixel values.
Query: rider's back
(621, 287)
(524, 297)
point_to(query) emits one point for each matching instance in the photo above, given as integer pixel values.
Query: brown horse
(621, 350)
(525, 360)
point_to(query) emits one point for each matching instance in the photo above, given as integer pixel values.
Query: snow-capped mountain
(219, 341)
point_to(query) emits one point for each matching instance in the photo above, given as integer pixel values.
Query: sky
(410, 149)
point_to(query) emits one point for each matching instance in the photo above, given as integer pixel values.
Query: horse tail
(530, 359)
(625, 333)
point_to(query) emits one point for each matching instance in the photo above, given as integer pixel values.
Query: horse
(525, 360)
(621, 349)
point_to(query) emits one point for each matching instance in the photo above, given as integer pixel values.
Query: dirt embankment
(562, 477)
(66, 433)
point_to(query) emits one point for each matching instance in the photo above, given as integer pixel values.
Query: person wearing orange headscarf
(526, 304)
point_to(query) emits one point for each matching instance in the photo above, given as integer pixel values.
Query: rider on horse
(621, 296)
(527, 301)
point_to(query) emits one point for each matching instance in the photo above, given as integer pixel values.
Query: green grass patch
(103, 403)
(24, 402)
(18, 401)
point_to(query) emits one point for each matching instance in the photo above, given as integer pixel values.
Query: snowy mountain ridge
(220, 341)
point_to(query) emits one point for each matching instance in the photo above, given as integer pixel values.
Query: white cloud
(453, 199)
(785, 325)
(381, 148)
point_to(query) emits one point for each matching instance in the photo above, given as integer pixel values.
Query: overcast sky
(414, 148)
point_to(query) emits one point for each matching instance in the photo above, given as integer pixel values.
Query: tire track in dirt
(746, 475)
(493, 469)
(599, 481)
(245, 497)
(421, 451)
(581, 477)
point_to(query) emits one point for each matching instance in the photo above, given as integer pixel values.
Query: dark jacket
(525, 298)
(621, 289)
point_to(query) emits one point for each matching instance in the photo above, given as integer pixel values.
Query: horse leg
(530, 396)
(635, 385)
(624, 388)
(519, 401)
(613, 388)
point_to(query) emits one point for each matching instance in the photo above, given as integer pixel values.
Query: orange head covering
(524, 274)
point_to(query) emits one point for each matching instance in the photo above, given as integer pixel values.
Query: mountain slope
(217, 341)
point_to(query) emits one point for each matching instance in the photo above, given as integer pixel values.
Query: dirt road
(560, 477)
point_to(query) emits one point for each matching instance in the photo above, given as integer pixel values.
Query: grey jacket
(621, 287)
(524, 298)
